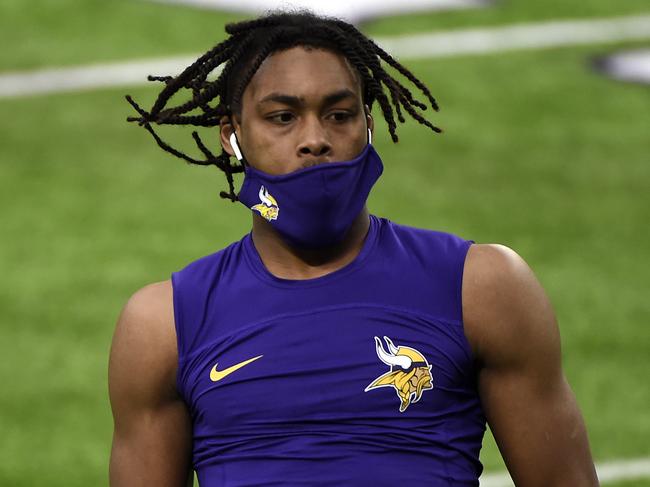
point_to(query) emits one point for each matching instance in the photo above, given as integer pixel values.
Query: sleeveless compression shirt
(362, 377)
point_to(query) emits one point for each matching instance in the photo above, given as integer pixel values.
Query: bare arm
(529, 405)
(152, 436)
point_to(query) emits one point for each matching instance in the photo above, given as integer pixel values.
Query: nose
(314, 141)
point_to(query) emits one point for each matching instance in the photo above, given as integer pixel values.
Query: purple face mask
(313, 207)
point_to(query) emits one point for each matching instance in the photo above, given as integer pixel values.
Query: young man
(329, 346)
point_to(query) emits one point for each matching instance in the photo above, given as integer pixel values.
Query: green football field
(539, 153)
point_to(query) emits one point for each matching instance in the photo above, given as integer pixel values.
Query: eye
(282, 118)
(341, 116)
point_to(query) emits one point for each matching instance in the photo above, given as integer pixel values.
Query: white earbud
(235, 146)
(369, 136)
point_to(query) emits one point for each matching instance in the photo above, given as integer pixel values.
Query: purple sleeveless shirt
(362, 377)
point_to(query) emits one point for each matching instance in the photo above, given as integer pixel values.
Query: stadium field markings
(356, 11)
(519, 36)
(437, 44)
(612, 471)
(629, 65)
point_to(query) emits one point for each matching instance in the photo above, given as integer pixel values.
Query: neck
(287, 262)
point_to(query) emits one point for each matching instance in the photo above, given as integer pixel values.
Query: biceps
(538, 427)
(152, 448)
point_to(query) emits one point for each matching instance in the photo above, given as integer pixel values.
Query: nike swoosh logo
(216, 375)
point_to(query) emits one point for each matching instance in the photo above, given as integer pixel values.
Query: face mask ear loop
(235, 147)
(369, 137)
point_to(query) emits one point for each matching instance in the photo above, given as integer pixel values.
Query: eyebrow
(298, 102)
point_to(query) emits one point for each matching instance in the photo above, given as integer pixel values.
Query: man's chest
(326, 368)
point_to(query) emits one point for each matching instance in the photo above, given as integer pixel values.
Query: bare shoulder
(505, 307)
(152, 436)
(148, 319)
(144, 353)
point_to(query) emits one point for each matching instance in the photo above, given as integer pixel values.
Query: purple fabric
(313, 207)
(298, 414)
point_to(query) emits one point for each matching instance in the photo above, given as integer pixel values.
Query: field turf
(539, 153)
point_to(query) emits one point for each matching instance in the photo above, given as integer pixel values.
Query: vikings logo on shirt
(410, 373)
(268, 207)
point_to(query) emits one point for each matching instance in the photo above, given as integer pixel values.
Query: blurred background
(541, 152)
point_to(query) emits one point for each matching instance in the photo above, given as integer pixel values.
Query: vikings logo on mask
(409, 375)
(268, 207)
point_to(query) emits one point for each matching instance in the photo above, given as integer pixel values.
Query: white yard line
(608, 472)
(437, 44)
(519, 36)
(90, 76)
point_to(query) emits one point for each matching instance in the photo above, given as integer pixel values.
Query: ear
(369, 120)
(227, 127)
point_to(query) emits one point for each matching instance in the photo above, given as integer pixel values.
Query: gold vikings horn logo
(410, 373)
(268, 207)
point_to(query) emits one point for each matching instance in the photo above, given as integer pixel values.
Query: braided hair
(241, 54)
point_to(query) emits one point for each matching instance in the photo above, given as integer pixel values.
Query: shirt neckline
(259, 269)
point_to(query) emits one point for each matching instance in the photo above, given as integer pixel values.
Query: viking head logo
(410, 373)
(268, 207)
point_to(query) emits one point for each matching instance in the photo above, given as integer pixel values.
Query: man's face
(302, 107)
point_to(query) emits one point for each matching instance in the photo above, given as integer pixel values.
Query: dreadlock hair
(241, 54)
